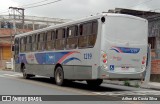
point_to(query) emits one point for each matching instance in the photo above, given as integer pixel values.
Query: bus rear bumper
(103, 74)
(134, 76)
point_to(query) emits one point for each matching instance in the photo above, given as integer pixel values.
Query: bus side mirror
(13, 48)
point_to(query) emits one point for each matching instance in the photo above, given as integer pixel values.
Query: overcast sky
(72, 9)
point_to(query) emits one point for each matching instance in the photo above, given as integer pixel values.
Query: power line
(153, 10)
(140, 3)
(43, 4)
(4, 12)
(33, 3)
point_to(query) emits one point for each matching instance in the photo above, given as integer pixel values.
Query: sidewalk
(5, 69)
(149, 85)
(152, 85)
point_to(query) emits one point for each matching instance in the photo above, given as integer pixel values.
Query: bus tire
(59, 76)
(94, 83)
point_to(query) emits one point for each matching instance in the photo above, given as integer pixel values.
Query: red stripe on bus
(61, 60)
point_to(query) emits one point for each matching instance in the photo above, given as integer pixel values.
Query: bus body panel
(77, 64)
(125, 43)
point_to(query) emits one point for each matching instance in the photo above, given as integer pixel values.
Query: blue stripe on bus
(49, 58)
(23, 58)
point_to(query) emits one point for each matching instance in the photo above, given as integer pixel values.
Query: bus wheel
(59, 76)
(94, 83)
(25, 75)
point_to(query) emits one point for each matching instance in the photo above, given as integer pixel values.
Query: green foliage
(126, 83)
(137, 85)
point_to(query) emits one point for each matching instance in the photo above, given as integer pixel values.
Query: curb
(121, 83)
(6, 69)
(141, 85)
(151, 87)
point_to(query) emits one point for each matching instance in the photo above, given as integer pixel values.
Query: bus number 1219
(88, 56)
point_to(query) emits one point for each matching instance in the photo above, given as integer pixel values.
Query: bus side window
(94, 27)
(80, 29)
(87, 28)
(44, 40)
(29, 43)
(53, 39)
(45, 37)
(41, 37)
(21, 41)
(23, 44)
(82, 40)
(16, 46)
(35, 42)
(60, 39)
(40, 42)
(38, 38)
(92, 37)
(48, 40)
(88, 34)
(72, 38)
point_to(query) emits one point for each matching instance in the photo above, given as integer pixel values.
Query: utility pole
(17, 14)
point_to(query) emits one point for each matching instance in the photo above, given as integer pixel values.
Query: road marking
(2, 76)
(12, 75)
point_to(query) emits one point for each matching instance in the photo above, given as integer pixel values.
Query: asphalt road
(12, 83)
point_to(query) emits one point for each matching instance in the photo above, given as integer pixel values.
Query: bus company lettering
(31, 57)
(51, 57)
(117, 58)
(135, 60)
(125, 50)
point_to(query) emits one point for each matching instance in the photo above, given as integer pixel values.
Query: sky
(73, 9)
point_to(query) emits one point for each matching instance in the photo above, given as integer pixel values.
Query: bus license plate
(125, 68)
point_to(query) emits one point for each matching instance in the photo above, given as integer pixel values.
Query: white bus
(106, 46)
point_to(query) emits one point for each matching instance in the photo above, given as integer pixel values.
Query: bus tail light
(104, 61)
(144, 60)
(104, 57)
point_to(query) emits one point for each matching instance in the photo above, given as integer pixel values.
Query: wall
(155, 71)
(5, 56)
(6, 53)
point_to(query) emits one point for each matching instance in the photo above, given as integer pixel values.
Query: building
(153, 36)
(10, 26)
